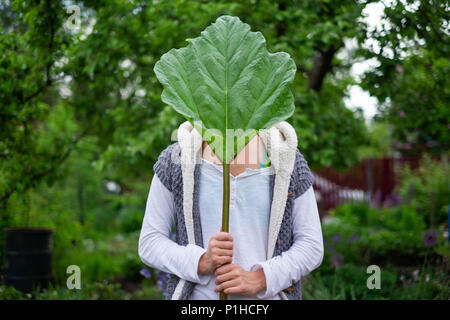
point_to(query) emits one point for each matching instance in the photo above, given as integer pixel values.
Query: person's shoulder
(302, 177)
(164, 165)
(300, 158)
(169, 153)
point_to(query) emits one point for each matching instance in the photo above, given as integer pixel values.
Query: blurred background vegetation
(82, 123)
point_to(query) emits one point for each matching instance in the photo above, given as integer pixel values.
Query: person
(275, 235)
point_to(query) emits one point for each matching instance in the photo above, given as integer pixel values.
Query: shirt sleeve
(156, 249)
(305, 254)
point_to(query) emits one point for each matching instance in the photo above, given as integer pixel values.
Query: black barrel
(28, 258)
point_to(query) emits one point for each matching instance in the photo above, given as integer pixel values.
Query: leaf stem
(225, 207)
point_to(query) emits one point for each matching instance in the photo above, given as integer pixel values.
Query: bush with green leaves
(102, 290)
(428, 188)
(357, 235)
(414, 261)
(401, 218)
(349, 282)
(363, 232)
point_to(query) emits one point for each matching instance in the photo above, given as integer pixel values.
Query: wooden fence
(373, 180)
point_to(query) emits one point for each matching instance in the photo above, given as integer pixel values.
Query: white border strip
(190, 143)
(178, 290)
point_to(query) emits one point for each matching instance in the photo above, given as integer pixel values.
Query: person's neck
(249, 157)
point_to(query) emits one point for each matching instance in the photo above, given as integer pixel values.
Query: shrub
(350, 282)
(131, 219)
(428, 188)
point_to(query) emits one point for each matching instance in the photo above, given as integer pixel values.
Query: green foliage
(380, 141)
(357, 235)
(131, 219)
(332, 130)
(78, 108)
(401, 218)
(103, 258)
(99, 83)
(29, 149)
(411, 80)
(392, 234)
(428, 188)
(103, 290)
(10, 293)
(102, 76)
(226, 79)
(92, 228)
(349, 283)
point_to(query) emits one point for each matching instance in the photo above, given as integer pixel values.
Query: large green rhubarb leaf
(228, 85)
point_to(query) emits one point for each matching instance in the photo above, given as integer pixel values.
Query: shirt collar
(216, 170)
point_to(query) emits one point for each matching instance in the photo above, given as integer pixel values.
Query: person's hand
(233, 279)
(220, 252)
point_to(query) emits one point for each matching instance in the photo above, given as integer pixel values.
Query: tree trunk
(322, 65)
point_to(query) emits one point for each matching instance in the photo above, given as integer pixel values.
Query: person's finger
(225, 269)
(222, 260)
(222, 252)
(225, 277)
(224, 245)
(235, 290)
(223, 236)
(227, 284)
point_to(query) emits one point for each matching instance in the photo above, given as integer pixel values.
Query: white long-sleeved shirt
(249, 224)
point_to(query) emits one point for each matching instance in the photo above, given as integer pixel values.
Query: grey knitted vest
(170, 173)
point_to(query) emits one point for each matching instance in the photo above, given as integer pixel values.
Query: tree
(59, 86)
(411, 80)
(312, 32)
(31, 145)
